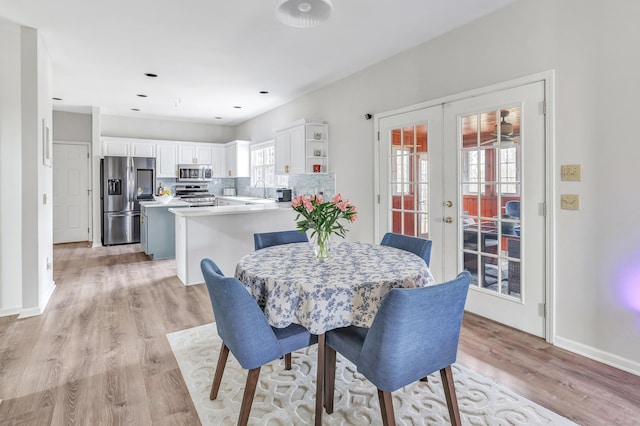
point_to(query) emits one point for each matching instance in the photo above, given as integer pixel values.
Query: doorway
(469, 174)
(71, 192)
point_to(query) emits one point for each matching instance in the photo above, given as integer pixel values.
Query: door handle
(448, 219)
(449, 203)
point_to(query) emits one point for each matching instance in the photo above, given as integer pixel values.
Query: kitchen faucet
(264, 187)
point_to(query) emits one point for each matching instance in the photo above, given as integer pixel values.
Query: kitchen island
(223, 234)
(157, 228)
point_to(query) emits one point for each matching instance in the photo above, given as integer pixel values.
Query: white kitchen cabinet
(302, 147)
(114, 147)
(125, 147)
(218, 160)
(143, 149)
(167, 160)
(199, 153)
(237, 159)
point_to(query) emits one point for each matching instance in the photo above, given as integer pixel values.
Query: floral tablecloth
(346, 289)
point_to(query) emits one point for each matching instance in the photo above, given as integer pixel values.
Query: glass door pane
(490, 158)
(409, 186)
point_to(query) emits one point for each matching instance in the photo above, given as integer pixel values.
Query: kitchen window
(263, 165)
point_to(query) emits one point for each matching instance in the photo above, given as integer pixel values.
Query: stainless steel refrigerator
(124, 182)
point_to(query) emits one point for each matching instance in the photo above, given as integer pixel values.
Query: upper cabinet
(167, 159)
(237, 159)
(217, 160)
(302, 147)
(120, 147)
(227, 160)
(198, 153)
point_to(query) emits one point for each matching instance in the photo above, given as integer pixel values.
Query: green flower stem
(323, 241)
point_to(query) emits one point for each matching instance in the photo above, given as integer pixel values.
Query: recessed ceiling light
(237, 107)
(141, 95)
(135, 109)
(264, 92)
(151, 74)
(57, 99)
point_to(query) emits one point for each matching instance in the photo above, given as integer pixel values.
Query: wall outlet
(570, 202)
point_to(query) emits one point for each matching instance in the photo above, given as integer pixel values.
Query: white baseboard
(32, 312)
(598, 355)
(9, 311)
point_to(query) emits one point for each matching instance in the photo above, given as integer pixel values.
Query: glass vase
(321, 244)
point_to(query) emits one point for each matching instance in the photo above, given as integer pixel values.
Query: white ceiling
(212, 55)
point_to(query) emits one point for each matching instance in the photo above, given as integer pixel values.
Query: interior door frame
(89, 181)
(548, 77)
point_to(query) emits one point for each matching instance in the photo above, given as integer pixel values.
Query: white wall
(37, 214)
(146, 128)
(592, 47)
(10, 171)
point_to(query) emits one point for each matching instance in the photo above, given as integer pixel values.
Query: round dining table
(292, 286)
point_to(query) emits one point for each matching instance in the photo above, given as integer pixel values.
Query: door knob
(449, 203)
(448, 219)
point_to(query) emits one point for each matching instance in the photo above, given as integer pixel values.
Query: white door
(485, 203)
(410, 183)
(70, 192)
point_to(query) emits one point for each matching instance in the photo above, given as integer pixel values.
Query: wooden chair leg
(247, 398)
(329, 378)
(450, 395)
(386, 408)
(217, 377)
(287, 361)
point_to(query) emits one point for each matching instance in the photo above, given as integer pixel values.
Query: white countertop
(176, 202)
(252, 200)
(235, 209)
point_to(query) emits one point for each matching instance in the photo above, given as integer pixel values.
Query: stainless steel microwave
(194, 172)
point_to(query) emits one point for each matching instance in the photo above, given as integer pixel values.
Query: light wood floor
(99, 354)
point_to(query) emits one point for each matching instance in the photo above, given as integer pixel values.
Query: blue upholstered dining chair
(512, 208)
(245, 332)
(414, 333)
(268, 239)
(416, 245)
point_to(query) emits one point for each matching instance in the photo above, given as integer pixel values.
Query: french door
(469, 175)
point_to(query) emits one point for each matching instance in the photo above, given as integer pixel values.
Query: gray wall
(592, 46)
(146, 128)
(71, 126)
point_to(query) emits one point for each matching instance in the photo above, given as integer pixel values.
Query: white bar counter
(223, 234)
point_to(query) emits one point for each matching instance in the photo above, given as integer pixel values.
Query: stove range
(196, 195)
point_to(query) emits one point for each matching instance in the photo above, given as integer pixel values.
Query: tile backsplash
(324, 183)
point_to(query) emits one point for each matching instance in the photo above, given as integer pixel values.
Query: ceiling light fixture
(304, 13)
(506, 128)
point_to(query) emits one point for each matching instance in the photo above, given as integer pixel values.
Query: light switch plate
(571, 172)
(570, 202)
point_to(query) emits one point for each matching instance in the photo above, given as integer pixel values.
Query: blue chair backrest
(416, 245)
(414, 333)
(240, 321)
(268, 239)
(512, 208)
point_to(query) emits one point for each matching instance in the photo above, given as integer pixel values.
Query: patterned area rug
(288, 397)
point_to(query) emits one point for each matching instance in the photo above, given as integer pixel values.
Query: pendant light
(303, 13)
